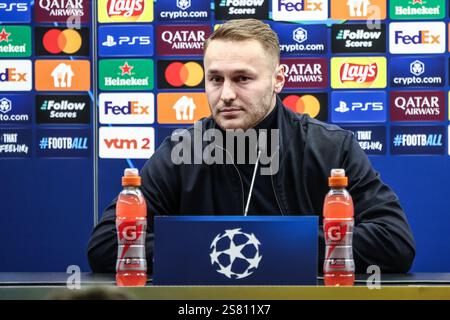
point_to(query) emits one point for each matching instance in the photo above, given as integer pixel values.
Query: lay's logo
(125, 11)
(358, 72)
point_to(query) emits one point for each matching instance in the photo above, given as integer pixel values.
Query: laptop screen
(235, 250)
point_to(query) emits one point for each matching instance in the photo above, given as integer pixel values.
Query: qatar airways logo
(125, 8)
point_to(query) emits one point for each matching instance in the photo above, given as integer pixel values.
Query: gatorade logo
(180, 74)
(129, 231)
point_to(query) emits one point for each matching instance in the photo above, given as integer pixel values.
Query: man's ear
(279, 78)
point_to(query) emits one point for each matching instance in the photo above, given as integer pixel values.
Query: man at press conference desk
(243, 76)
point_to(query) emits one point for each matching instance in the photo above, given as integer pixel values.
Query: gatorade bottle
(339, 267)
(131, 224)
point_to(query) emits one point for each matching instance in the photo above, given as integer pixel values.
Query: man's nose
(228, 93)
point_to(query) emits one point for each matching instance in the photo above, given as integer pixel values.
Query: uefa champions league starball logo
(235, 254)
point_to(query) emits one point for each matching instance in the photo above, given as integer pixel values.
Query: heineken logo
(417, 9)
(15, 41)
(131, 74)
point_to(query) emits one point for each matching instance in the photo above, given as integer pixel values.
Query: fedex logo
(303, 5)
(423, 36)
(132, 107)
(294, 10)
(12, 75)
(414, 37)
(126, 108)
(15, 75)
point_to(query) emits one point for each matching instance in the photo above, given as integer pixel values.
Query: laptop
(235, 250)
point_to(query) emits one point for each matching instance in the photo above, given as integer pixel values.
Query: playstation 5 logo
(126, 40)
(110, 42)
(183, 4)
(342, 107)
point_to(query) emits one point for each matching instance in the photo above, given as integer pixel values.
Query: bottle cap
(337, 178)
(131, 177)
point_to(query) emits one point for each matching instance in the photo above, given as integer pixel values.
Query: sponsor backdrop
(88, 88)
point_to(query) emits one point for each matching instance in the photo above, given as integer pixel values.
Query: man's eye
(243, 79)
(215, 79)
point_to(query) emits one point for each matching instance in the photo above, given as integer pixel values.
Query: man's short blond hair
(248, 29)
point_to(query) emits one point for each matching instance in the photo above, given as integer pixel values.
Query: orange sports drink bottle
(131, 225)
(338, 212)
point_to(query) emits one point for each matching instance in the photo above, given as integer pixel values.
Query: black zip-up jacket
(308, 150)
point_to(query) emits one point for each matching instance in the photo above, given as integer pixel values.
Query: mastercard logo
(68, 41)
(303, 104)
(180, 74)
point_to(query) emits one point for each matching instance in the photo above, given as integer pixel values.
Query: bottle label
(338, 232)
(131, 234)
(338, 240)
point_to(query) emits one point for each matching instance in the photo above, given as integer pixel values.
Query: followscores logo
(63, 109)
(299, 10)
(367, 72)
(305, 39)
(241, 9)
(15, 75)
(416, 37)
(115, 11)
(123, 143)
(355, 38)
(417, 72)
(15, 11)
(127, 108)
(181, 39)
(358, 106)
(180, 74)
(183, 10)
(125, 40)
(305, 73)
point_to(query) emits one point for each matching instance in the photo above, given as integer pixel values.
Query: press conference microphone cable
(251, 185)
